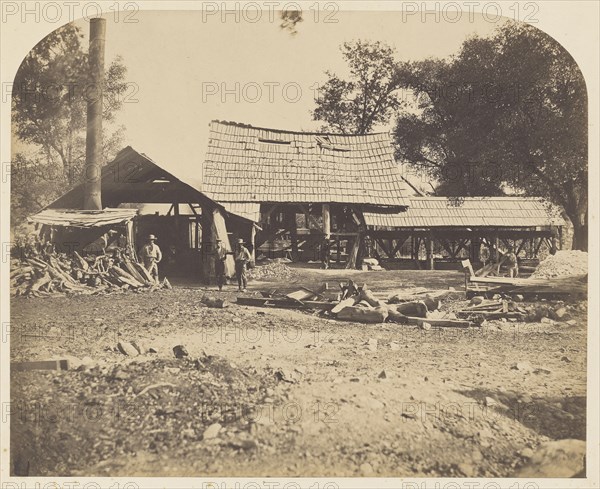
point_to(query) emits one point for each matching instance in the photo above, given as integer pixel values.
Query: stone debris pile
(270, 271)
(563, 264)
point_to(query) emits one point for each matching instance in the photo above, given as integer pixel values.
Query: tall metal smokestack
(92, 198)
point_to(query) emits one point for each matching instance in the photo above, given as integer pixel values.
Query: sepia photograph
(299, 245)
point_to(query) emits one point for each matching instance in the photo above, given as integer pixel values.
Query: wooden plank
(491, 315)
(301, 294)
(326, 220)
(352, 258)
(39, 365)
(350, 301)
(440, 323)
(284, 303)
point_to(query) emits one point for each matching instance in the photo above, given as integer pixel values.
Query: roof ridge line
(286, 131)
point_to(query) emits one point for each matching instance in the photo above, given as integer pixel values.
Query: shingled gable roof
(502, 212)
(134, 177)
(251, 164)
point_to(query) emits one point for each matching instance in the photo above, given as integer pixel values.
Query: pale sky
(175, 58)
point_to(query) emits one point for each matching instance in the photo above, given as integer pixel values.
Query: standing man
(151, 256)
(221, 256)
(242, 257)
(511, 262)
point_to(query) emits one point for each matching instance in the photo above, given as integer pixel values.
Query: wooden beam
(291, 218)
(430, 260)
(253, 242)
(399, 243)
(446, 245)
(326, 220)
(384, 247)
(39, 365)
(309, 216)
(208, 241)
(267, 215)
(461, 245)
(353, 256)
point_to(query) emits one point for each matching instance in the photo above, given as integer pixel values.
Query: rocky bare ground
(285, 393)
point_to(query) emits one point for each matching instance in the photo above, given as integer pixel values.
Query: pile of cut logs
(42, 275)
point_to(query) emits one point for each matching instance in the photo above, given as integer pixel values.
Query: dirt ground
(295, 394)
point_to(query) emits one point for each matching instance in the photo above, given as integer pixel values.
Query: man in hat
(221, 256)
(511, 262)
(151, 256)
(242, 257)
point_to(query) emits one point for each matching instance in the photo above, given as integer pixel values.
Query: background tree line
(506, 114)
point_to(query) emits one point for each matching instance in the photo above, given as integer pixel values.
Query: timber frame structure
(298, 188)
(306, 190)
(459, 228)
(134, 178)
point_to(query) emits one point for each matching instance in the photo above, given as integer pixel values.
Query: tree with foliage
(289, 20)
(507, 112)
(49, 107)
(369, 98)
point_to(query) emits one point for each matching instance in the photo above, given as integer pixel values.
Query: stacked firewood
(45, 274)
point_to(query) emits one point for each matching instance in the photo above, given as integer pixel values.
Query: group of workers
(151, 255)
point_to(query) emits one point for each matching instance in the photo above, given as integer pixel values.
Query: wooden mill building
(131, 179)
(298, 188)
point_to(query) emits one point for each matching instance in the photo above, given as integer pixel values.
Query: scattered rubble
(560, 458)
(271, 271)
(155, 407)
(128, 349)
(180, 351)
(214, 302)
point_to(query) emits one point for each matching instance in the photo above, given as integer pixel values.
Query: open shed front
(310, 232)
(186, 240)
(439, 232)
(86, 231)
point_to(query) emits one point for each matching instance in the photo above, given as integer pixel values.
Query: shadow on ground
(555, 417)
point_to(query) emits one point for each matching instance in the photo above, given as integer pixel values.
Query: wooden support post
(208, 243)
(496, 243)
(178, 239)
(475, 249)
(538, 246)
(326, 221)
(294, 233)
(553, 244)
(430, 263)
(253, 242)
(399, 243)
(560, 237)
